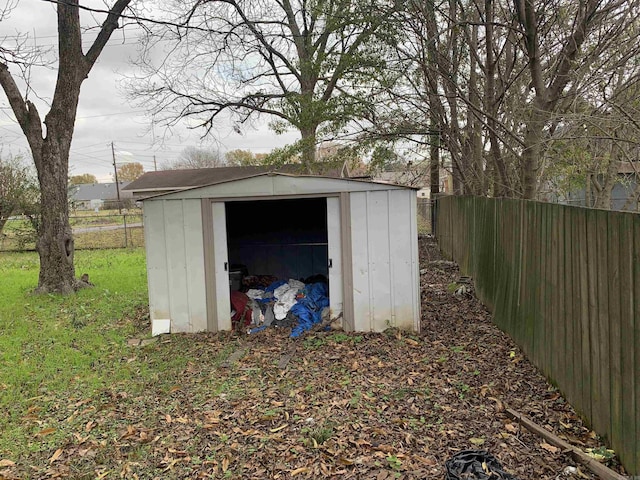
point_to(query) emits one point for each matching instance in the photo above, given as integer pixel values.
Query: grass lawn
(55, 348)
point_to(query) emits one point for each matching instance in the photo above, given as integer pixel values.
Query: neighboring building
(624, 192)
(418, 179)
(91, 196)
(360, 235)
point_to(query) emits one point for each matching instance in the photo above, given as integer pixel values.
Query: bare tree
(305, 63)
(506, 85)
(50, 148)
(193, 157)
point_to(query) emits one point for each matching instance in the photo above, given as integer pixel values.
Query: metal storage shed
(364, 241)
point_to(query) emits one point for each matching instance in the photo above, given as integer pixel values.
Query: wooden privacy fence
(564, 282)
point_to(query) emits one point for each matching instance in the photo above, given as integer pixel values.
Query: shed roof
(277, 183)
(171, 180)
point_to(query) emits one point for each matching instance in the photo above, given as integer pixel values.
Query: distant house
(624, 194)
(418, 179)
(91, 196)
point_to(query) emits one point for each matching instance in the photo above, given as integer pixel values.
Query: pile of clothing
(281, 304)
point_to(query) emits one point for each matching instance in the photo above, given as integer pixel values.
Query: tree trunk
(309, 147)
(434, 159)
(610, 179)
(531, 154)
(55, 240)
(51, 153)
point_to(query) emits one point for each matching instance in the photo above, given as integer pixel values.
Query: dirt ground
(327, 405)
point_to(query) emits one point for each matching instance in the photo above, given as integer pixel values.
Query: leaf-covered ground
(328, 405)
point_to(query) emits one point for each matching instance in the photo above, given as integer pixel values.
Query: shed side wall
(385, 257)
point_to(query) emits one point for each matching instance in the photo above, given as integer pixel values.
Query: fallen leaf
(274, 430)
(225, 464)
(477, 441)
(6, 463)
(427, 461)
(46, 431)
(56, 455)
(299, 470)
(549, 448)
(511, 427)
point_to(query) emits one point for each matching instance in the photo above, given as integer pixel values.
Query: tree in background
(50, 146)
(18, 188)
(308, 64)
(82, 179)
(193, 157)
(244, 158)
(128, 172)
(497, 90)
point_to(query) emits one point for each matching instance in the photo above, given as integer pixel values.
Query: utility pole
(155, 165)
(115, 174)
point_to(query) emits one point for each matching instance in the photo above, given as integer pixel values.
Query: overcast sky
(104, 115)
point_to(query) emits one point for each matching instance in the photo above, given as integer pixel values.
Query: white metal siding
(194, 254)
(221, 274)
(154, 238)
(334, 237)
(403, 236)
(175, 264)
(384, 260)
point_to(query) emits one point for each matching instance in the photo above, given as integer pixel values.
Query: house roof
(97, 191)
(170, 180)
(628, 167)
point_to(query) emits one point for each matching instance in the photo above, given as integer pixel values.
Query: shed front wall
(175, 265)
(384, 256)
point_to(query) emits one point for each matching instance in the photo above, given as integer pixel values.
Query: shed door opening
(282, 238)
(267, 240)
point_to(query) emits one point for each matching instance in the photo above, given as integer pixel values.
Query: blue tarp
(309, 309)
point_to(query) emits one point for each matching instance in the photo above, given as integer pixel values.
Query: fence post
(434, 216)
(126, 241)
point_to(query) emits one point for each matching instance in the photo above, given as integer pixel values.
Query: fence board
(582, 242)
(627, 391)
(554, 324)
(613, 323)
(565, 283)
(568, 315)
(604, 366)
(594, 345)
(636, 339)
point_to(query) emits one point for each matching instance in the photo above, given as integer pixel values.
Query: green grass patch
(54, 347)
